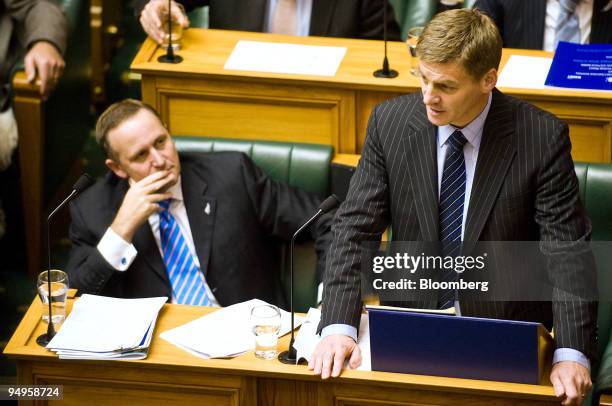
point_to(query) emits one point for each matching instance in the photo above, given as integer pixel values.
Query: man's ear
(489, 80)
(116, 168)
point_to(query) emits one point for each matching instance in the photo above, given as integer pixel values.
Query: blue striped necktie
(567, 27)
(452, 200)
(185, 277)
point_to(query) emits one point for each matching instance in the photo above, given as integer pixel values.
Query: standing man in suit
(541, 24)
(460, 161)
(201, 229)
(325, 18)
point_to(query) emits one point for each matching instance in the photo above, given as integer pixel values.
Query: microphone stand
(170, 57)
(290, 356)
(385, 72)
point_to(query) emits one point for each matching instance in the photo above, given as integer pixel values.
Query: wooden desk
(199, 97)
(170, 376)
(605, 400)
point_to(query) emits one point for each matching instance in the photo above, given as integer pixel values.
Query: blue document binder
(586, 66)
(460, 347)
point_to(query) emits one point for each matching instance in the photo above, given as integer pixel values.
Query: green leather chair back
(596, 194)
(469, 3)
(413, 13)
(305, 166)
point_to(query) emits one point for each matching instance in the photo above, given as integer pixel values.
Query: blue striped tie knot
(165, 204)
(456, 141)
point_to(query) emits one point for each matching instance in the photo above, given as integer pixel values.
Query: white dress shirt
(120, 254)
(304, 12)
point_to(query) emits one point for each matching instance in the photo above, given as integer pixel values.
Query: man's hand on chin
(328, 358)
(571, 381)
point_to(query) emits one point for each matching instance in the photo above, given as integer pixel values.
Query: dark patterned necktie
(452, 200)
(567, 27)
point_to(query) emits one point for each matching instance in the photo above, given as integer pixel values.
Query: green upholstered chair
(413, 13)
(469, 3)
(596, 193)
(305, 166)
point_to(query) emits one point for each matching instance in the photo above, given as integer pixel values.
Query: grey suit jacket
(524, 189)
(22, 23)
(521, 22)
(330, 18)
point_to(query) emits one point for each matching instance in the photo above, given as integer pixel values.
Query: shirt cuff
(116, 251)
(343, 329)
(570, 354)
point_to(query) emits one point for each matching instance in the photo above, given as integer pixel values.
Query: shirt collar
(176, 190)
(472, 132)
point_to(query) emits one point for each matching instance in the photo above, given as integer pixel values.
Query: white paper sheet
(525, 72)
(223, 333)
(104, 326)
(285, 58)
(307, 339)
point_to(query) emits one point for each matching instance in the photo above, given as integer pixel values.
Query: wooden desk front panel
(248, 110)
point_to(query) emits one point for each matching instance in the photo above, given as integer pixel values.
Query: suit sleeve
(363, 216)
(87, 270)
(282, 209)
(39, 21)
(564, 234)
(371, 21)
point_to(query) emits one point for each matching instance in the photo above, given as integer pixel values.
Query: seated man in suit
(199, 228)
(541, 24)
(324, 18)
(461, 161)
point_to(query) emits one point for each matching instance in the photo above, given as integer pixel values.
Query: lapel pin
(207, 208)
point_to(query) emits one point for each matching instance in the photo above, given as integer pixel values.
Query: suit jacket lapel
(201, 212)
(144, 241)
(421, 151)
(321, 16)
(496, 152)
(601, 23)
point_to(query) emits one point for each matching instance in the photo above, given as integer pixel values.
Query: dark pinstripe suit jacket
(524, 189)
(521, 22)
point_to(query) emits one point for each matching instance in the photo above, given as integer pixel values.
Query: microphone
(169, 57)
(290, 356)
(385, 72)
(83, 183)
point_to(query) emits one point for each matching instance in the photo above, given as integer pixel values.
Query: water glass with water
(59, 294)
(266, 324)
(177, 28)
(413, 36)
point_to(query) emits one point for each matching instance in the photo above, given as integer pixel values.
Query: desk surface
(205, 52)
(164, 355)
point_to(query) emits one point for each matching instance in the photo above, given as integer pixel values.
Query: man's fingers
(355, 359)
(557, 385)
(30, 68)
(328, 358)
(45, 72)
(338, 363)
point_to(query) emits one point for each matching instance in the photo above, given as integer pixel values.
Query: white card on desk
(285, 58)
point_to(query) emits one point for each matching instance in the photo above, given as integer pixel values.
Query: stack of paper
(101, 327)
(223, 333)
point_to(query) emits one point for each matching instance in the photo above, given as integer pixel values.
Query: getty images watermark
(482, 271)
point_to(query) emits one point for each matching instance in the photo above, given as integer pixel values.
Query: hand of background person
(140, 201)
(43, 61)
(571, 382)
(151, 18)
(328, 358)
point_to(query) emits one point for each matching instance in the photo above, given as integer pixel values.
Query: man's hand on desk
(328, 358)
(140, 201)
(44, 61)
(571, 382)
(152, 14)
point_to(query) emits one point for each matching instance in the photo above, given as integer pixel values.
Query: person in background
(325, 18)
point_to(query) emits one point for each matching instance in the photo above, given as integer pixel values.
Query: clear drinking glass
(413, 36)
(59, 294)
(177, 28)
(266, 323)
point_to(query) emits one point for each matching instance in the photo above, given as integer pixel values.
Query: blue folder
(460, 347)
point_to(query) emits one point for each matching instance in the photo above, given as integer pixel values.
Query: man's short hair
(466, 36)
(114, 116)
